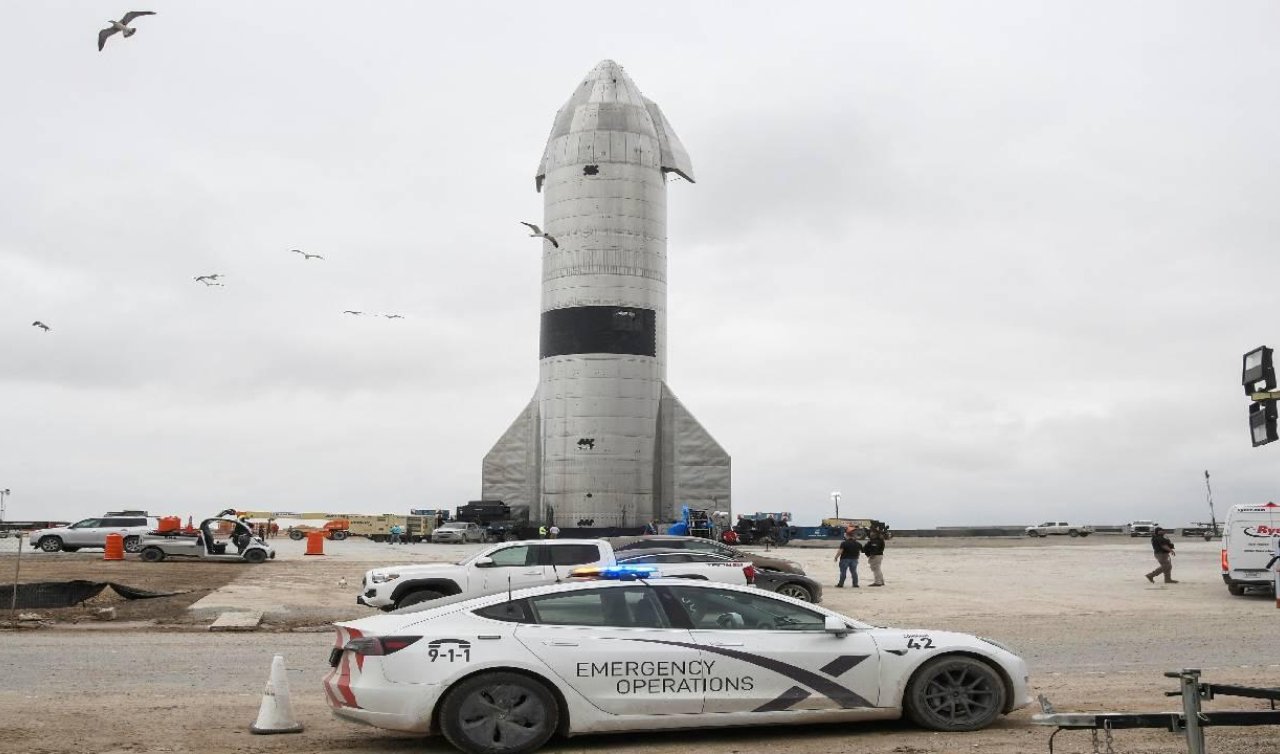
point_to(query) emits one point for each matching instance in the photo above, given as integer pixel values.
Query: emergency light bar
(615, 573)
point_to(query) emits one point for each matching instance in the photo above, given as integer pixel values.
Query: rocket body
(605, 443)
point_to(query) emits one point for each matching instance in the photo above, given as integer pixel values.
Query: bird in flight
(121, 25)
(305, 255)
(209, 279)
(349, 311)
(394, 316)
(537, 233)
(41, 325)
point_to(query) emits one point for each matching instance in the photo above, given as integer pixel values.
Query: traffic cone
(276, 713)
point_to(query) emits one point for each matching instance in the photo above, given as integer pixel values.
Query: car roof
(424, 611)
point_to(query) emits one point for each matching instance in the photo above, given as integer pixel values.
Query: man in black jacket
(1163, 550)
(874, 550)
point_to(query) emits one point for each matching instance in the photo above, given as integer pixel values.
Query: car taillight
(750, 572)
(1226, 564)
(378, 646)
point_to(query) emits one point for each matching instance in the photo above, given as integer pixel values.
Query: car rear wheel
(255, 556)
(1235, 589)
(499, 713)
(152, 554)
(50, 544)
(133, 544)
(413, 598)
(1073, 533)
(955, 693)
(796, 591)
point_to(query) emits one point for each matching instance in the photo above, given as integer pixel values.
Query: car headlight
(997, 644)
(382, 578)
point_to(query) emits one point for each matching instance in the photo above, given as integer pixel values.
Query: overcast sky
(966, 263)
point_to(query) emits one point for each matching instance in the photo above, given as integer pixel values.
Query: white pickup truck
(1058, 527)
(514, 565)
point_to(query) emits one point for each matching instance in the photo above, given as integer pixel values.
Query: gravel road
(1097, 637)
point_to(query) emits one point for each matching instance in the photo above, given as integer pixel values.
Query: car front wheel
(51, 544)
(955, 694)
(499, 713)
(413, 598)
(152, 554)
(795, 591)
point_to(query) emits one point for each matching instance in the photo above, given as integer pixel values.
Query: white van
(1249, 542)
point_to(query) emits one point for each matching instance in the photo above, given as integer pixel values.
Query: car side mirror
(483, 562)
(836, 626)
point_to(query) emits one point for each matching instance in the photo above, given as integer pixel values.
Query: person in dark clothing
(847, 556)
(874, 550)
(1164, 553)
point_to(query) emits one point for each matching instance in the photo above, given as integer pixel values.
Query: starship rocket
(605, 442)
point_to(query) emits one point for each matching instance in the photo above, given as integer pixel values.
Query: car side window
(511, 557)
(88, 523)
(661, 557)
(624, 607)
(726, 610)
(572, 555)
(516, 611)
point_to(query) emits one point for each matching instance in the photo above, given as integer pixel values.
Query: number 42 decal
(920, 642)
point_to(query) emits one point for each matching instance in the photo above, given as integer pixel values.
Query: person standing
(542, 532)
(874, 550)
(1164, 553)
(554, 531)
(847, 556)
(396, 532)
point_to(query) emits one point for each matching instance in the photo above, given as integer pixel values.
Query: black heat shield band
(598, 329)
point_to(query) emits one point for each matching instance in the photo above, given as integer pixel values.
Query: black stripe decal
(830, 689)
(598, 329)
(898, 652)
(841, 665)
(788, 698)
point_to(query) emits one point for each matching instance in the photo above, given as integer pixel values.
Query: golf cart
(222, 538)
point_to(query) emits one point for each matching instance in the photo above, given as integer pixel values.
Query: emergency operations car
(501, 674)
(1250, 539)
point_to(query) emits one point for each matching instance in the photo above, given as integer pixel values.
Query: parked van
(1249, 541)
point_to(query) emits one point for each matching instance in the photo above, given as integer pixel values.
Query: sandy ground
(1096, 635)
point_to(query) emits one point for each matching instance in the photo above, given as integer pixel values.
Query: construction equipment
(336, 529)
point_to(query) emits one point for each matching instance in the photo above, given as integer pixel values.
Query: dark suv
(700, 544)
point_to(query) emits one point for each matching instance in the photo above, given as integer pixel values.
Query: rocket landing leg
(691, 467)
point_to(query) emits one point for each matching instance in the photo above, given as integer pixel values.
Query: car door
(616, 646)
(780, 654)
(86, 533)
(513, 567)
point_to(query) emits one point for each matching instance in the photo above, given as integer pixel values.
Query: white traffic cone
(276, 713)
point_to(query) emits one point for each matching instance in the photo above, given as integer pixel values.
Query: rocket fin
(510, 469)
(691, 466)
(674, 158)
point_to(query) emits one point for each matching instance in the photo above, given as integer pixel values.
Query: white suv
(458, 531)
(92, 532)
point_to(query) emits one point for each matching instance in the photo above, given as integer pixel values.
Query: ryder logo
(1262, 530)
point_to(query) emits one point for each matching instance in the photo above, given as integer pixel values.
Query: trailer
(1191, 721)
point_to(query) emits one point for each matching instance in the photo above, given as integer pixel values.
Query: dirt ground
(1096, 635)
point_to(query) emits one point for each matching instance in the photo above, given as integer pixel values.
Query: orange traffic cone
(276, 713)
(315, 543)
(114, 549)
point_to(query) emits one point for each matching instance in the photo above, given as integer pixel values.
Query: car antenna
(556, 571)
(508, 586)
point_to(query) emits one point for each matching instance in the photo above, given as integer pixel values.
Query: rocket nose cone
(608, 82)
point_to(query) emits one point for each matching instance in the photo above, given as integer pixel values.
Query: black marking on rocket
(598, 329)
(591, 170)
(587, 442)
(784, 701)
(841, 665)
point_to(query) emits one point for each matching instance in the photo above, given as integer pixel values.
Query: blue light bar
(615, 573)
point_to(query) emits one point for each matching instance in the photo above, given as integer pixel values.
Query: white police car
(501, 674)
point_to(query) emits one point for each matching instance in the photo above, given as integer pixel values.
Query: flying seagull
(41, 325)
(349, 311)
(394, 316)
(121, 25)
(209, 279)
(537, 233)
(305, 255)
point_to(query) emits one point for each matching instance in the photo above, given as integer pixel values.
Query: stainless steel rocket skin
(604, 440)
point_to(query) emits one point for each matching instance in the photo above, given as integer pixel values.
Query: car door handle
(726, 644)
(533, 573)
(561, 643)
